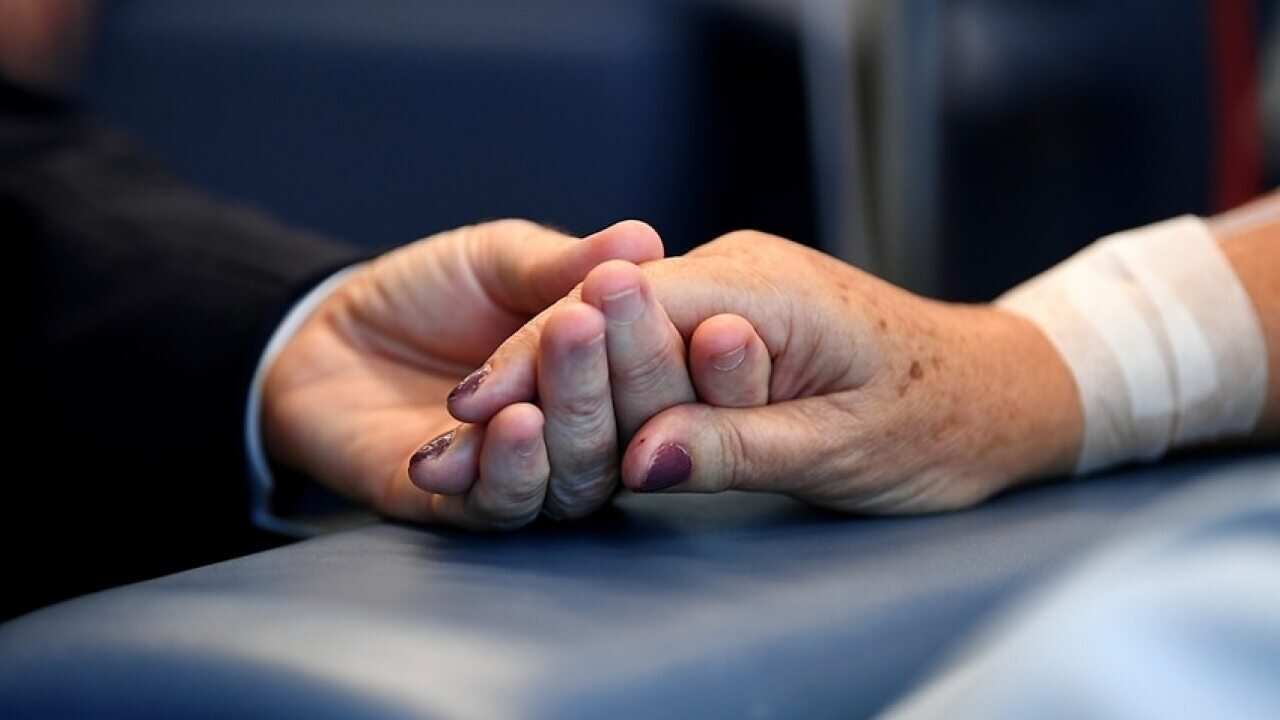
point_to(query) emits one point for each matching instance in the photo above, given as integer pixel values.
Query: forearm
(1171, 333)
(1250, 238)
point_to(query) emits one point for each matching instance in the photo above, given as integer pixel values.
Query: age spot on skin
(883, 325)
(915, 373)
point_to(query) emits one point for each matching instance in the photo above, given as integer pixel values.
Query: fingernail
(588, 350)
(526, 448)
(729, 360)
(470, 383)
(433, 449)
(671, 465)
(623, 307)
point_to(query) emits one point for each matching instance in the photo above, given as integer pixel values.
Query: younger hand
(355, 393)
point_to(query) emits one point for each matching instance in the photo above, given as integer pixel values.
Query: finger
(729, 363)
(514, 469)
(513, 475)
(447, 463)
(573, 389)
(554, 274)
(698, 448)
(647, 369)
(445, 466)
(526, 267)
(689, 290)
(531, 281)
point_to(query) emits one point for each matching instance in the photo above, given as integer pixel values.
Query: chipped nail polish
(671, 465)
(433, 449)
(470, 383)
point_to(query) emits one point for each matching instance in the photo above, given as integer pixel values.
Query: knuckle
(490, 239)
(575, 496)
(585, 414)
(741, 238)
(734, 462)
(515, 496)
(644, 374)
(506, 505)
(505, 227)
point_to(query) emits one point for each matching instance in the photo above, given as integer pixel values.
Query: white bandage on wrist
(1164, 343)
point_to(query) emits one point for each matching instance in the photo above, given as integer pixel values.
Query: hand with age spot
(837, 388)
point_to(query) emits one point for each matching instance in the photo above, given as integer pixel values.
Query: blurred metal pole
(829, 57)
(910, 145)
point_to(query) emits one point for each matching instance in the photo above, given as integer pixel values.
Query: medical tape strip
(1164, 343)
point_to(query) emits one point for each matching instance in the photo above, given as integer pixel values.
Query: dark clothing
(143, 309)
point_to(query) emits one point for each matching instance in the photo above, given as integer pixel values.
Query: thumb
(783, 447)
(526, 267)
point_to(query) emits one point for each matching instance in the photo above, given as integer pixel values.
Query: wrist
(265, 418)
(1028, 406)
(1001, 407)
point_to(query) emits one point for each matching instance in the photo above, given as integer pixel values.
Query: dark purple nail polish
(433, 449)
(671, 465)
(470, 383)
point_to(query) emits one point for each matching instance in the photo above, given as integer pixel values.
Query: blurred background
(955, 147)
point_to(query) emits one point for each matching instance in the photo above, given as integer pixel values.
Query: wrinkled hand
(601, 369)
(355, 393)
(878, 400)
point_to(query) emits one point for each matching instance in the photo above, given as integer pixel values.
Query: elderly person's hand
(598, 371)
(878, 400)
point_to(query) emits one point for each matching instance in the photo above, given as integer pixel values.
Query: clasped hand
(488, 374)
